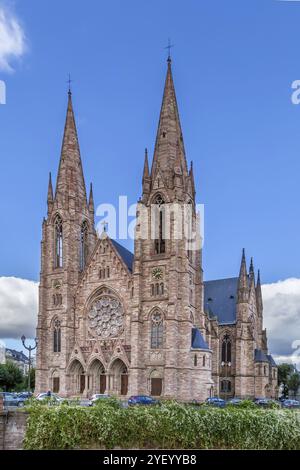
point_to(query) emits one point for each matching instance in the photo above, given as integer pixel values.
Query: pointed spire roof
(146, 166)
(70, 179)
(169, 139)
(50, 190)
(251, 273)
(259, 299)
(243, 280)
(91, 200)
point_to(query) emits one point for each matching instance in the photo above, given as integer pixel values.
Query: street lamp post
(29, 349)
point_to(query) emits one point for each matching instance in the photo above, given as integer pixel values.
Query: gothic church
(124, 324)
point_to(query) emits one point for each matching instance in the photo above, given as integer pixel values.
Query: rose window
(106, 317)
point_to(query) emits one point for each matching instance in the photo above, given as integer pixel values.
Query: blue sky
(233, 63)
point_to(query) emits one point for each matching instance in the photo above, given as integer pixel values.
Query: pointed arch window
(83, 245)
(57, 336)
(58, 233)
(156, 330)
(159, 242)
(226, 349)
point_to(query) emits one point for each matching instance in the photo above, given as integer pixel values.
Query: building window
(83, 254)
(159, 243)
(156, 331)
(58, 233)
(225, 386)
(57, 337)
(157, 289)
(226, 349)
(195, 360)
(265, 370)
(204, 361)
(57, 300)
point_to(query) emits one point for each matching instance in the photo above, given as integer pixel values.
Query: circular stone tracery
(106, 317)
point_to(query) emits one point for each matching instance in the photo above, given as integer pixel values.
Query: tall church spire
(70, 180)
(169, 139)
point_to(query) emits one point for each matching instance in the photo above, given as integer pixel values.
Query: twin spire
(169, 149)
(70, 184)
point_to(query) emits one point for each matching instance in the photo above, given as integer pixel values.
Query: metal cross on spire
(69, 81)
(169, 46)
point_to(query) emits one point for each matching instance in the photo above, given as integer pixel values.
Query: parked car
(142, 400)
(53, 396)
(12, 399)
(25, 395)
(264, 402)
(234, 401)
(290, 403)
(215, 401)
(99, 396)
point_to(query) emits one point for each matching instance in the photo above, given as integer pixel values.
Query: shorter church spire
(259, 299)
(243, 288)
(50, 194)
(251, 272)
(91, 200)
(50, 189)
(146, 166)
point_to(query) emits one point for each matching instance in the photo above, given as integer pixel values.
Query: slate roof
(220, 299)
(271, 360)
(125, 254)
(260, 356)
(198, 342)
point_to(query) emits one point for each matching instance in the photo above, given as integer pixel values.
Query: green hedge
(169, 426)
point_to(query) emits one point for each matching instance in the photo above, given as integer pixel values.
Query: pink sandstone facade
(144, 323)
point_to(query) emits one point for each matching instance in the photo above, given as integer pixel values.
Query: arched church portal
(118, 378)
(97, 377)
(76, 378)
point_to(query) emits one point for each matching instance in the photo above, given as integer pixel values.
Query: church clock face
(106, 317)
(157, 273)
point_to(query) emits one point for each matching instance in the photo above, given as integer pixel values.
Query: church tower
(169, 354)
(68, 238)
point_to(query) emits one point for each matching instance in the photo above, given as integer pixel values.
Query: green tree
(10, 377)
(284, 372)
(32, 380)
(294, 382)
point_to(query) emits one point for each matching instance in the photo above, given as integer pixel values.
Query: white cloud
(12, 38)
(18, 307)
(282, 319)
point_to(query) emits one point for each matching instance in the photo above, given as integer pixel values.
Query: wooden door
(55, 384)
(124, 384)
(102, 383)
(82, 383)
(156, 386)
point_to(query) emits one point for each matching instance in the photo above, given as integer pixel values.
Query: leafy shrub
(170, 426)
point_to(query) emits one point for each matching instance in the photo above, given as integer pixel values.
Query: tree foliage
(284, 372)
(10, 377)
(294, 382)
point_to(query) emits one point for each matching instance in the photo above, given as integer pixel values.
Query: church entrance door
(156, 386)
(82, 383)
(102, 383)
(124, 384)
